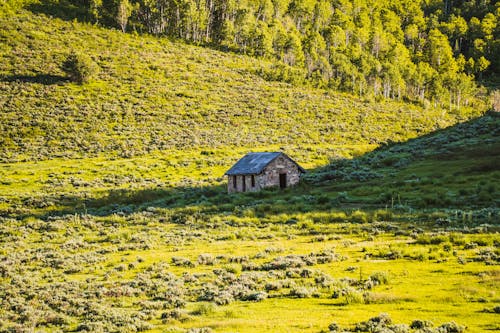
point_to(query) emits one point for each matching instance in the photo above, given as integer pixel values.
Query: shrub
(374, 324)
(206, 259)
(359, 217)
(399, 328)
(175, 314)
(200, 330)
(438, 239)
(234, 269)
(238, 259)
(301, 292)
(256, 297)
(203, 309)
(281, 263)
(353, 296)
(180, 261)
(450, 327)
(324, 280)
(382, 215)
(333, 327)
(420, 324)
(434, 240)
(79, 67)
(273, 285)
(380, 277)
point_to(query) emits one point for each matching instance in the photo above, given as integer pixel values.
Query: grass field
(154, 243)
(114, 215)
(159, 271)
(153, 94)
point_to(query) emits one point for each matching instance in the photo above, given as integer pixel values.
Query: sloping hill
(154, 94)
(456, 167)
(114, 216)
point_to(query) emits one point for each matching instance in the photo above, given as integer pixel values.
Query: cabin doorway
(282, 180)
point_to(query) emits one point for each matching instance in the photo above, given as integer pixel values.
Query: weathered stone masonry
(259, 170)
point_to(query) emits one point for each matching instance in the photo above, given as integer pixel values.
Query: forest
(118, 121)
(424, 51)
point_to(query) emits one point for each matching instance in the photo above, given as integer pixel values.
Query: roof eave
(241, 173)
(229, 173)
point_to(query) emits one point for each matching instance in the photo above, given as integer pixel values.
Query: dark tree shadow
(46, 79)
(469, 140)
(68, 10)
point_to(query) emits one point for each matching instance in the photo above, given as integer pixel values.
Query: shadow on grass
(46, 79)
(203, 199)
(68, 10)
(386, 177)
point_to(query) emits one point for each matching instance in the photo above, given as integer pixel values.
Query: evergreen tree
(79, 67)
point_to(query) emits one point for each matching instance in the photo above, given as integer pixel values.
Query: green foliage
(353, 296)
(113, 211)
(80, 68)
(123, 13)
(204, 309)
(367, 48)
(154, 94)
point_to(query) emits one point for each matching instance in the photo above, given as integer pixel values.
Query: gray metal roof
(254, 163)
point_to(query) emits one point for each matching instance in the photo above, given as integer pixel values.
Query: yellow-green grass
(153, 94)
(90, 179)
(125, 173)
(418, 290)
(439, 290)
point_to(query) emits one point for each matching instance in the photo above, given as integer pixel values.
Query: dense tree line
(415, 49)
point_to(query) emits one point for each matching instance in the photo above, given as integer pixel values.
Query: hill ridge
(153, 94)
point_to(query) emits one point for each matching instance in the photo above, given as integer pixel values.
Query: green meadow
(154, 243)
(114, 215)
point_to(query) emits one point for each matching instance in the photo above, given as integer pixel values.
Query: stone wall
(269, 177)
(239, 183)
(271, 173)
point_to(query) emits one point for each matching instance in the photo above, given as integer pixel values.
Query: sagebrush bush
(301, 292)
(206, 259)
(380, 277)
(420, 324)
(450, 327)
(353, 296)
(374, 324)
(200, 330)
(203, 309)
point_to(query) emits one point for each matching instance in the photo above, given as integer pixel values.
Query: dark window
(234, 181)
(244, 183)
(253, 180)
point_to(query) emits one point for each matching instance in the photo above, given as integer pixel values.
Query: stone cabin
(255, 171)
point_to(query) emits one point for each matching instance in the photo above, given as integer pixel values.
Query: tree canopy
(417, 50)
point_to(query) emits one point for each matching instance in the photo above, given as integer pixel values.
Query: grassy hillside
(153, 243)
(153, 94)
(114, 215)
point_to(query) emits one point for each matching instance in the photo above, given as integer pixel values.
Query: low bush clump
(179, 261)
(301, 292)
(450, 327)
(353, 296)
(206, 259)
(418, 324)
(383, 324)
(381, 277)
